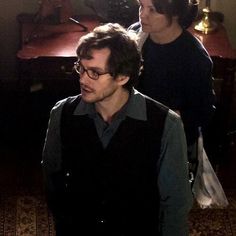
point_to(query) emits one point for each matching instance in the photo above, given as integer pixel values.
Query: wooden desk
(40, 40)
(49, 51)
(217, 43)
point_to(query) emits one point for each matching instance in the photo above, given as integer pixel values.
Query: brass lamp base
(206, 25)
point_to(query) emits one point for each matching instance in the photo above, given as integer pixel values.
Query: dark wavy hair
(185, 10)
(124, 59)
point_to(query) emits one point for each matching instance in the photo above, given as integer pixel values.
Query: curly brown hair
(124, 59)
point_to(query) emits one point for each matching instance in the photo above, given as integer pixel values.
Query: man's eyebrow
(94, 68)
(98, 69)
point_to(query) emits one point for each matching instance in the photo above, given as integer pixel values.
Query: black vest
(112, 191)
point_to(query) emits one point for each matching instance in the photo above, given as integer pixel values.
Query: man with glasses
(115, 160)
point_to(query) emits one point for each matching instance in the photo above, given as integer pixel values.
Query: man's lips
(86, 89)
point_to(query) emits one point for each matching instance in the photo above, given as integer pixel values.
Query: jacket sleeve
(174, 187)
(52, 167)
(199, 106)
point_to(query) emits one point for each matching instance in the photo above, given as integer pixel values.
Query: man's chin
(88, 99)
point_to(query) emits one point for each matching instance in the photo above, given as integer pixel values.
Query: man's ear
(122, 79)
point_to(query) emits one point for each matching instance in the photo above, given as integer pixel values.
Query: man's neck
(109, 108)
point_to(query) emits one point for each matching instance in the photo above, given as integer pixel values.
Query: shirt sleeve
(175, 191)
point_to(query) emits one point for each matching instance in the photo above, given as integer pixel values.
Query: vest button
(101, 220)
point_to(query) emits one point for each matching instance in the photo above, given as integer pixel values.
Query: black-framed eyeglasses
(92, 74)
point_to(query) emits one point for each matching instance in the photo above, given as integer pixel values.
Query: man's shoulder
(171, 115)
(69, 99)
(61, 103)
(160, 115)
(154, 103)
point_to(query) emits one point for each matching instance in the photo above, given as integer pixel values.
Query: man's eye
(94, 73)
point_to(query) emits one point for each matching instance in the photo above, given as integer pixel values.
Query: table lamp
(206, 25)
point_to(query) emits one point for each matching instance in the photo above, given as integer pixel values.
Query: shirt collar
(135, 107)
